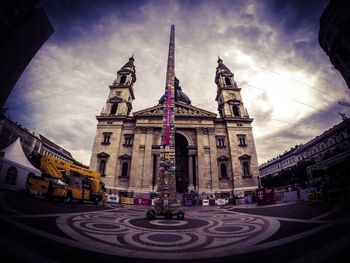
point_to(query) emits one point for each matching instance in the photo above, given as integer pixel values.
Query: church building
(214, 154)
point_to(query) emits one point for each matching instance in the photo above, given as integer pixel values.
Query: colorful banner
(127, 200)
(142, 201)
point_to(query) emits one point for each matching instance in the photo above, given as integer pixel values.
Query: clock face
(118, 93)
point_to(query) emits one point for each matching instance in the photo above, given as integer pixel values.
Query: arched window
(246, 172)
(122, 79)
(11, 175)
(125, 169)
(102, 168)
(228, 81)
(235, 111)
(223, 170)
(114, 108)
(330, 142)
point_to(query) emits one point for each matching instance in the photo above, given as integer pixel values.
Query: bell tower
(121, 94)
(228, 97)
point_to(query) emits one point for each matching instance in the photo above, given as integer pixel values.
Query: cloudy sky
(288, 84)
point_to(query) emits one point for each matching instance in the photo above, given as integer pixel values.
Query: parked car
(112, 198)
(221, 201)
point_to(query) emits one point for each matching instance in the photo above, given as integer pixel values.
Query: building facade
(31, 143)
(10, 131)
(324, 153)
(277, 164)
(334, 36)
(52, 149)
(213, 154)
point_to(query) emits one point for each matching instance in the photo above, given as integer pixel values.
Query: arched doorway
(181, 156)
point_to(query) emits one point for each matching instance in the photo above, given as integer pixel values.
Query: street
(37, 230)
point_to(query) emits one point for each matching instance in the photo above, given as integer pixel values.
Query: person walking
(104, 198)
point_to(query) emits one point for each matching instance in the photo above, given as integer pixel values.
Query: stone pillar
(213, 162)
(201, 182)
(147, 165)
(190, 173)
(134, 171)
(196, 171)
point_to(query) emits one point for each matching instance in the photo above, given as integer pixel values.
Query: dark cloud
(271, 46)
(293, 15)
(74, 19)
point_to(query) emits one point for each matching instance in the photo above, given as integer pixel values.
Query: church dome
(179, 94)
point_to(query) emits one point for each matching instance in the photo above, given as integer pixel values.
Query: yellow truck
(66, 181)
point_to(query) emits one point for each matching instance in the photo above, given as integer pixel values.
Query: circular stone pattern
(165, 237)
(127, 233)
(168, 224)
(230, 229)
(105, 226)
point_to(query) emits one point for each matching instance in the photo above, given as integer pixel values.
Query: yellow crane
(66, 181)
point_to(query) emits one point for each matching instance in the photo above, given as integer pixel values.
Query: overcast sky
(288, 83)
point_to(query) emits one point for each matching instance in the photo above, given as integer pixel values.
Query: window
(246, 169)
(122, 79)
(125, 169)
(220, 142)
(102, 167)
(330, 142)
(245, 163)
(128, 140)
(223, 170)
(124, 165)
(228, 81)
(106, 138)
(114, 108)
(235, 111)
(102, 162)
(242, 140)
(11, 175)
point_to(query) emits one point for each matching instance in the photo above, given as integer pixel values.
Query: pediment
(102, 155)
(181, 110)
(115, 99)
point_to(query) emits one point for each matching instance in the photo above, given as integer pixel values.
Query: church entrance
(181, 156)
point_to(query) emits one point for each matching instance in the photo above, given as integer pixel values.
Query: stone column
(147, 165)
(196, 171)
(134, 171)
(190, 173)
(201, 182)
(213, 161)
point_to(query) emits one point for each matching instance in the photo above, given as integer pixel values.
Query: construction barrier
(205, 202)
(127, 200)
(315, 198)
(142, 201)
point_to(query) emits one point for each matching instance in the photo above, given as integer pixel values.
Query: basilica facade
(215, 153)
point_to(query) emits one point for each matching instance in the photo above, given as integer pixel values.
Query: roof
(179, 94)
(324, 135)
(281, 157)
(54, 146)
